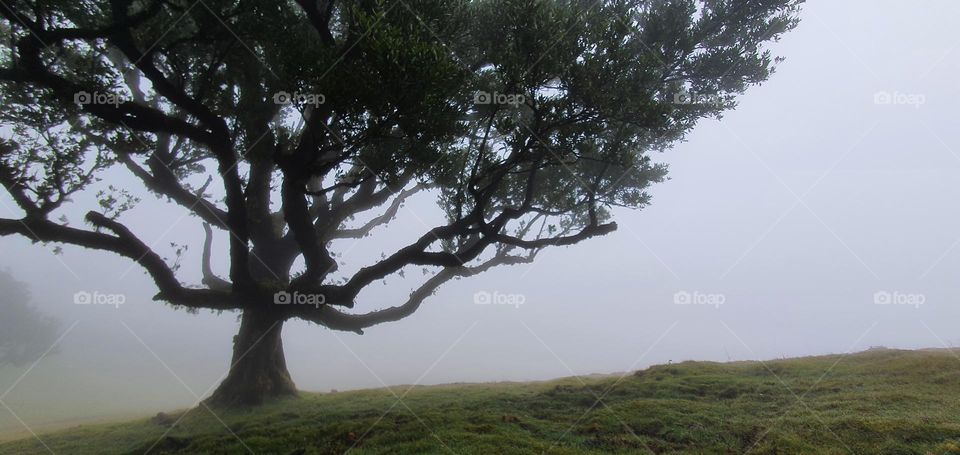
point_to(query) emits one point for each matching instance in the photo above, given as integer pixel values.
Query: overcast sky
(832, 187)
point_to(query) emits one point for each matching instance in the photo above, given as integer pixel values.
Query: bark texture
(258, 371)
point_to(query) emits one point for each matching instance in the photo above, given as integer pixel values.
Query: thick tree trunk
(258, 370)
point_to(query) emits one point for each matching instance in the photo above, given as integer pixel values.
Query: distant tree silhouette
(528, 120)
(25, 333)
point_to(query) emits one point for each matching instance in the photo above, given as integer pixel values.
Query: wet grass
(875, 402)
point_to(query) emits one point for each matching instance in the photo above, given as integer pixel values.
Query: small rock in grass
(162, 418)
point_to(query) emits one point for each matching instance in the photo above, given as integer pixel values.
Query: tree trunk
(258, 370)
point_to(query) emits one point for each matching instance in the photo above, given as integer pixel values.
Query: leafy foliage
(281, 123)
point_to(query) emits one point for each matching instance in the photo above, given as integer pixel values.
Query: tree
(25, 333)
(529, 120)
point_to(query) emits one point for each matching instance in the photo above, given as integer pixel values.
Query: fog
(797, 214)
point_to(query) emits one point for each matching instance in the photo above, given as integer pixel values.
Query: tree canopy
(279, 122)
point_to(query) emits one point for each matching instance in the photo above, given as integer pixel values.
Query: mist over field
(817, 217)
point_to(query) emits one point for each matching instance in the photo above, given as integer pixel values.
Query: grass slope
(876, 402)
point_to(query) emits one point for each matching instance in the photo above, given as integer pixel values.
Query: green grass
(875, 402)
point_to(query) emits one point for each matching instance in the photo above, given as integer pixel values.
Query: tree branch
(319, 13)
(384, 218)
(123, 243)
(209, 278)
(200, 206)
(338, 320)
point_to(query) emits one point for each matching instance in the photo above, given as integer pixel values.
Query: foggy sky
(796, 210)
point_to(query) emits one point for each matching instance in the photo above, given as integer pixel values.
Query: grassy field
(875, 402)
